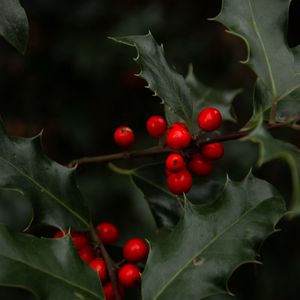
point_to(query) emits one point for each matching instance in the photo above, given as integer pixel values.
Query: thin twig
(161, 149)
(111, 265)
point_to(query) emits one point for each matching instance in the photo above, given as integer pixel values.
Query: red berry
(200, 165)
(59, 234)
(79, 239)
(213, 151)
(99, 265)
(86, 253)
(124, 136)
(136, 250)
(175, 162)
(181, 182)
(108, 233)
(109, 292)
(178, 138)
(168, 172)
(178, 124)
(129, 275)
(156, 126)
(209, 119)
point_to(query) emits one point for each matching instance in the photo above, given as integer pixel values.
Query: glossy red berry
(129, 275)
(109, 292)
(200, 165)
(79, 239)
(108, 233)
(181, 182)
(124, 136)
(156, 126)
(209, 119)
(87, 253)
(178, 138)
(178, 124)
(99, 265)
(213, 151)
(175, 162)
(135, 250)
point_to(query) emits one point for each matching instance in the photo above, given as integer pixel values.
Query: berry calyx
(124, 136)
(156, 126)
(175, 162)
(200, 165)
(99, 265)
(129, 275)
(181, 182)
(108, 233)
(178, 138)
(209, 119)
(135, 250)
(79, 239)
(86, 253)
(213, 151)
(109, 292)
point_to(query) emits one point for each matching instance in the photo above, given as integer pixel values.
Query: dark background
(79, 86)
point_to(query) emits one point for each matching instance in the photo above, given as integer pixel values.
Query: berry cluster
(134, 251)
(180, 165)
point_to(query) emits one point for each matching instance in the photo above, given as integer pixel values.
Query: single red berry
(99, 265)
(178, 124)
(135, 250)
(156, 126)
(124, 136)
(87, 253)
(175, 162)
(129, 275)
(109, 292)
(209, 119)
(178, 138)
(181, 182)
(213, 151)
(59, 234)
(79, 239)
(200, 165)
(108, 233)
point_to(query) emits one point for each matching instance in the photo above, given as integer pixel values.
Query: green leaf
(205, 96)
(268, 52)
(167, 84)
(50, 187)
(211, 241)
(49, 268)
(14, 24)
(15, 210)
(271, 149)
(151, 181)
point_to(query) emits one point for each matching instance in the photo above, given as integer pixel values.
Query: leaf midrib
(205, 248)
(52, 275)
(273, 85)
(59, 201)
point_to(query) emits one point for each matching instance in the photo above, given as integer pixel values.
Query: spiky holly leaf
(50, 187)
(268, 52)
(49, 268)
(150, 180)
(271, 149)
(14, 24)
(205, 96)
(211, 241)
(15, 210)
(167, 84)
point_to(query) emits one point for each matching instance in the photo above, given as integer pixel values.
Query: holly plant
(207, 223)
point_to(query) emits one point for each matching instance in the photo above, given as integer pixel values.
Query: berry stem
(111, 265)
(162, 149)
